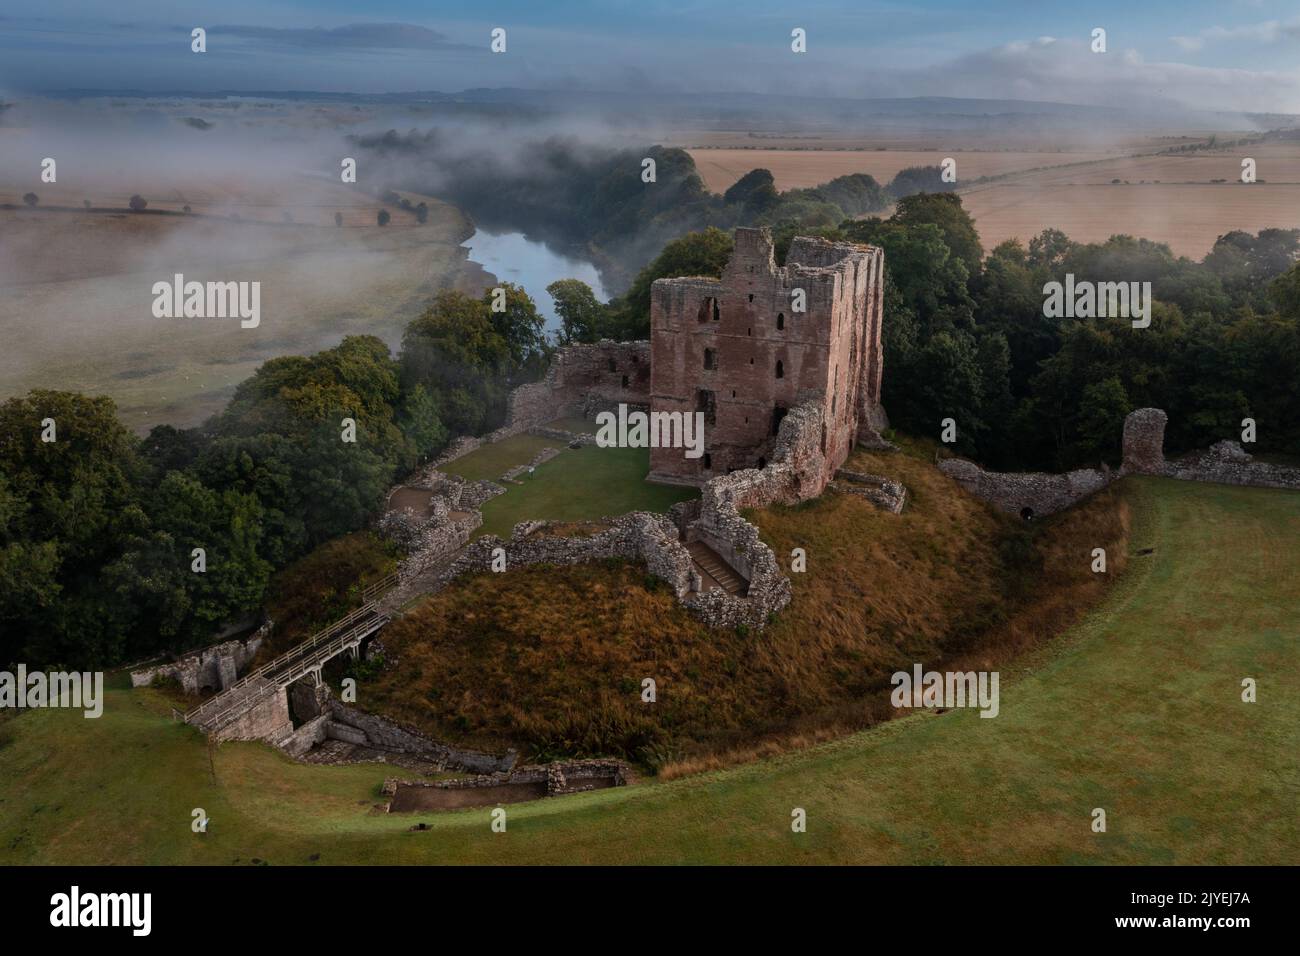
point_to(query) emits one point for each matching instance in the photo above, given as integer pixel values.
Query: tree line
(99, 528)
(966, 335)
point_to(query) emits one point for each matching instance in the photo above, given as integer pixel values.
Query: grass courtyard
(1137, 710)
(576, 485)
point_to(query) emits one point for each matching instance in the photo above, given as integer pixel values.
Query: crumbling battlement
(746, 348)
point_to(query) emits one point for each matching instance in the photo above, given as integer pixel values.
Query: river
(513, 258)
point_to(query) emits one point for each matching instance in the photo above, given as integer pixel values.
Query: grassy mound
(1137, 709)
(552, 660)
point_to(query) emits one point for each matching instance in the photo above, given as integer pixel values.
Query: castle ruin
(747, 348)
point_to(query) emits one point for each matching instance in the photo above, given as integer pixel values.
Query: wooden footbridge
(259, 696)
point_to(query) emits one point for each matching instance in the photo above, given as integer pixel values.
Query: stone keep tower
(736, 349)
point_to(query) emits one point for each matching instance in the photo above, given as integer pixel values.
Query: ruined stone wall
(333, 720)
(384, 734)
(582, 380)
(1041, 492)
(1227, 463)
(798, 472)
(458, 448)
(580, 377)
(735, 349)
(1144, 434)
(638, 536)
(211, 668)
(884, 493)
(561, 777)
(308, 735)
(454, 517)
(1144, 441)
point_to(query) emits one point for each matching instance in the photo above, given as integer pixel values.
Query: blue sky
(1230, 54)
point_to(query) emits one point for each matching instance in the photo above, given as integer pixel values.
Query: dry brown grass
(551, 659)
(322, 587)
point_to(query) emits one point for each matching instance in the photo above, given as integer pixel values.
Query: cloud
(1068, 71)
(354, 36)
(1265, 32)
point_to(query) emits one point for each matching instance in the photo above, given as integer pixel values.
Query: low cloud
(1266, 32)
(354, 36)
(1068, 71)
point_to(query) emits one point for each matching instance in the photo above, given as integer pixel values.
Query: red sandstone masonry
(735, 349)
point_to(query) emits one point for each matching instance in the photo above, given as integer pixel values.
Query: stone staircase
(714, 571)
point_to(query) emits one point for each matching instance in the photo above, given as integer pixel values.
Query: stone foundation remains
(559, 779)
(453, 515)
(886, 495)
(639, 536)
(326, 718)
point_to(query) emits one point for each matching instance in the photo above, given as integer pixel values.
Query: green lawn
(1138, 711)
(492, 461)
(581, 483)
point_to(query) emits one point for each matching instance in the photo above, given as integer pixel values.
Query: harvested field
(1189, 218)
(800, 168)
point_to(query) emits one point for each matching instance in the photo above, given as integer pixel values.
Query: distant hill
(760, 111)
